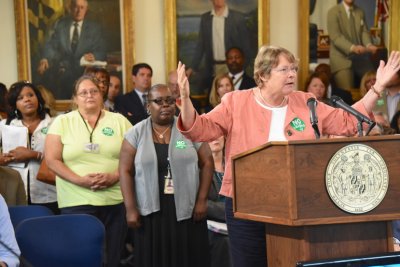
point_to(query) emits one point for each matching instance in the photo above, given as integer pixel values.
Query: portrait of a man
(75, 40)
(207, 29)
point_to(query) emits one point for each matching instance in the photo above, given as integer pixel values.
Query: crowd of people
(154, 165)
(164, 173)
(153, 173)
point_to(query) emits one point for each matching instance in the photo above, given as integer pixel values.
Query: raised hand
(386, 71)
(183, 82)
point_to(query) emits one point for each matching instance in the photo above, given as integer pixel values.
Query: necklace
(160, 135)
(28, 125)
(269, 105)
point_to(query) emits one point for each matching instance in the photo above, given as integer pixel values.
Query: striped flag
(381, 12)
(41, 16)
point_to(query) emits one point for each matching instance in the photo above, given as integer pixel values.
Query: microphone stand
(360, 128)
(316, 131)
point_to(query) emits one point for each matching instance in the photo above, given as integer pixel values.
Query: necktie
(75, 37)
(144, 97)
(353, 30)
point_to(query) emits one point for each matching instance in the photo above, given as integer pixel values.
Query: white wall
(149, 35)
(284, 24)
(8, 47)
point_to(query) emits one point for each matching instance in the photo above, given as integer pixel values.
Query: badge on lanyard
(168, 183)
(91, 148)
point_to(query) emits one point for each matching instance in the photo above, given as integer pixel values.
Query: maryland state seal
(357, 178)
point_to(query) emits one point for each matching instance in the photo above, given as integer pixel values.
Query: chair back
(64, 240)
(20, 213)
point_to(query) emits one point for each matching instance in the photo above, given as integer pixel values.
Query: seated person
(367, 80)
(317, 84)
(218, 238)
(9, 249)
(12, 186)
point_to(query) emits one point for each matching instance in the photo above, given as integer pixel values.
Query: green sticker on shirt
(108, 131)
(44, 130)
(380, 102)
(180, 144)
(298, 124)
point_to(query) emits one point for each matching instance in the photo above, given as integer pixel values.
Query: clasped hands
(360, 49)
(19, 154)
(99, 181)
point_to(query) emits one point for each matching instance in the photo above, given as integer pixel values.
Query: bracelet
(376, 92)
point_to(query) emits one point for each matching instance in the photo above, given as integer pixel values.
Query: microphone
(312, 105)
(337, 102)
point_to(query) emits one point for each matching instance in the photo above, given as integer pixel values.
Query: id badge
(91, 148)
(168, 186)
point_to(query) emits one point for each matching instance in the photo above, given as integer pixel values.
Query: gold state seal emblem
(357, 178)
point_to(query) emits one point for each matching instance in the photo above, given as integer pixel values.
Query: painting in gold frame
(171, 31)
(24, 17)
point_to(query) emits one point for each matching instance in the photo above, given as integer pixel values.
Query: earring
(16, 114)
(148, 112)
(40, 107)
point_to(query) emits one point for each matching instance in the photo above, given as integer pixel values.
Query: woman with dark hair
(395, 123)
(3, 101)
(27, 109)
(165, 180)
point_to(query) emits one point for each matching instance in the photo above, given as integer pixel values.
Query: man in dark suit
(235, 62)
(133, 104)
(74, 40)
(220, 29)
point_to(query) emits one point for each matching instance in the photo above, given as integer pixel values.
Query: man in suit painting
(235, 62)
(350, 44)
(74, 39)
(220, 29)
(133, 104)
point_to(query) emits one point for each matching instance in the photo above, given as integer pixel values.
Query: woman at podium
(272, 111)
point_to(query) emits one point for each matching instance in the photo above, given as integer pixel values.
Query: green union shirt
(108, 134)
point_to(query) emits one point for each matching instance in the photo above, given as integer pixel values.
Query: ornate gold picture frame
(24, 17)
(171, 29)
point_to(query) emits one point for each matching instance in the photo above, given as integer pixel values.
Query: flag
(381, 12)
(41, 16)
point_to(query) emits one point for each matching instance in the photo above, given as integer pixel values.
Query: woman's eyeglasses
(86, 93)
(286, 70)
(161, 101)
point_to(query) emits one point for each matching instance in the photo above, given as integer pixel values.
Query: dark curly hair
(15, 91)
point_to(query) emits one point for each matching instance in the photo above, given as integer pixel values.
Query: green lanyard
(90, 132)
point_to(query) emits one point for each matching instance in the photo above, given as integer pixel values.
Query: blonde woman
(221, 85)
(368, 79)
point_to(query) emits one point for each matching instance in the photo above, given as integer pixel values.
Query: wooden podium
(283, 185)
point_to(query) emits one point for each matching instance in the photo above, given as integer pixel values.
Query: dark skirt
(162, 241)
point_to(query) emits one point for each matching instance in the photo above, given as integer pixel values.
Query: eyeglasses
(286, 70)
(86, 93)
(161, 101)
(104, 82)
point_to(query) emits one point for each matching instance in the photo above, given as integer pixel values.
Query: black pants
(113, 218)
